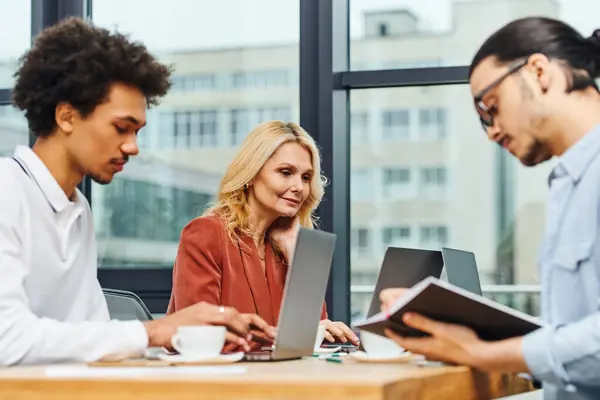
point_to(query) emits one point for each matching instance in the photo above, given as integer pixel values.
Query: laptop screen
(461, 269)
(304, 293)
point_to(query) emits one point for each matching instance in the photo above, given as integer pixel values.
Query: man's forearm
(26, 339)
(501, 356)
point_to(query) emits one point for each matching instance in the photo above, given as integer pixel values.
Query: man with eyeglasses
(534, 89)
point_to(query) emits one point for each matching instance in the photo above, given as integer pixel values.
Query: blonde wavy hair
(258, 147)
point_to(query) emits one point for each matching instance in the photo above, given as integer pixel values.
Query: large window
(442, 183)
(448, 192)
(421, 172)
(236, 65)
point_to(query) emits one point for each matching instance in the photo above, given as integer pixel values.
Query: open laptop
(404, 268)
(461, 269)
(303, 296)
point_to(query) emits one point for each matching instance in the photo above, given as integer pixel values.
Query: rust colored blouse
(210, 267)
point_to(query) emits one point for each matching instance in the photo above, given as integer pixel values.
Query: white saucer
(220, 359)
(322, 350)
(154, 353)
(361, 356)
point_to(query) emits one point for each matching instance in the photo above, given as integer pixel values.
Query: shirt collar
(578, 157)
(37, 170)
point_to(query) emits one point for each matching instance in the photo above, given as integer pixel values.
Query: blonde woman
(237, 253)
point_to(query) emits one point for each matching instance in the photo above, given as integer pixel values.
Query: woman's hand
(260, 331)
(338, 332)
(161, 330)
(284, 233)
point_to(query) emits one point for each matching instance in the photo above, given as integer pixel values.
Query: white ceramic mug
(379, 346)
(320, 337)
(199, 341)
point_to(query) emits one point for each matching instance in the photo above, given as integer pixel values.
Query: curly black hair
(76, 62)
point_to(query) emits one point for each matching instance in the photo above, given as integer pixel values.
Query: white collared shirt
(52, 308)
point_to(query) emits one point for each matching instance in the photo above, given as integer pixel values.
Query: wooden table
(305, 379)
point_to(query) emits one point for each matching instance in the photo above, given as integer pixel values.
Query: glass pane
(236, 64)
(15, 37)
(459, 190)
(390, 34)
(13, 130)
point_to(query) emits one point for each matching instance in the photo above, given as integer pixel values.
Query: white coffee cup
(199, 341)
(379, 346)
(320, 337)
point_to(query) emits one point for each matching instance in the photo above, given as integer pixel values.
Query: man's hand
(338, 331)
(161, 331)
(454, 344)
(449, 343)
(389, 296)
(457, 344)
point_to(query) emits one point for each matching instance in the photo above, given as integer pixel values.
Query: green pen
(333, 360)
(329, 355)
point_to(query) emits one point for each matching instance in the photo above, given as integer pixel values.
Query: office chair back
(125, 306)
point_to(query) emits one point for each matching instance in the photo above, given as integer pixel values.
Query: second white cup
(379, 346)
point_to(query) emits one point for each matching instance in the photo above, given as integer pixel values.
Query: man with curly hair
(84, 91)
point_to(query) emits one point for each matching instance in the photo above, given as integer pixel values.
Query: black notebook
(445, 302)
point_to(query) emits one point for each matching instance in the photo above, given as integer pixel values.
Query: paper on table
(76, 371)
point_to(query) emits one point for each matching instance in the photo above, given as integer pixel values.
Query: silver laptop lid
(461, 269)
(403, 268)
(304, 293)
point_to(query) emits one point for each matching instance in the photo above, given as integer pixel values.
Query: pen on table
(329, 355)
(333, 360)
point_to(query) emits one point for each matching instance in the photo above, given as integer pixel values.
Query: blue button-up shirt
(565, 354)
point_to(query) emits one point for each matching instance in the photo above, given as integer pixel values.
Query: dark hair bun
(594, 40)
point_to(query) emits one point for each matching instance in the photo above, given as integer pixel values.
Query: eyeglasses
(486, 114)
